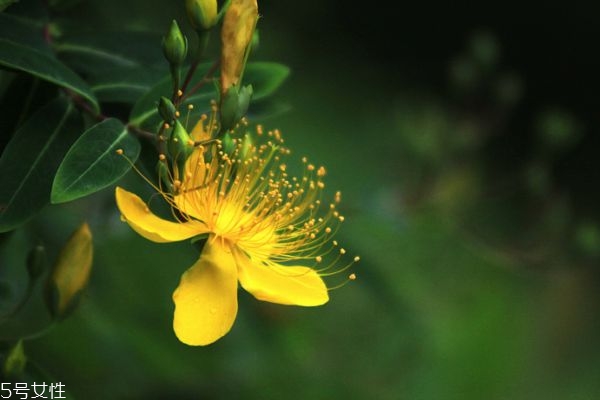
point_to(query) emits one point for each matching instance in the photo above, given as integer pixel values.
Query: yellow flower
(263, 229)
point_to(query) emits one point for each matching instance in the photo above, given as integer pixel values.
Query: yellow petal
(299, 286)
(140, 218)
(206, 299)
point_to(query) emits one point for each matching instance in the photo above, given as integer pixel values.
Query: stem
(84, 106)
(206, 79)
(223, 10)
(203, 38)
(140, 132)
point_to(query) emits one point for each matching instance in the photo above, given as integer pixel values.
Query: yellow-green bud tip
(201, 13)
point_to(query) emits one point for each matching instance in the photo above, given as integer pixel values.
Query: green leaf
(24, 31)
(265, 78)
(92, 163)
(93, 53)
(124, 85)
(28, 59)
(31, 159)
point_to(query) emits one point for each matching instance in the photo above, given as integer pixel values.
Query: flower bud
(166, 109)
(234, 106)
(236, 34)
(180, 144)
(175, 45)
(165, 176)
(36, 260)
(201, 13)
(15, 362)
(70, 273)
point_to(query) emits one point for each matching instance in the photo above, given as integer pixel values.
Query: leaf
(31, 159)
(28, 59)
(124, 85)
(93, 53)
(92, 163)
(265, 78)
(24, 31)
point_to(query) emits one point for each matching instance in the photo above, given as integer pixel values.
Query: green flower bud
(234, 106)
(244, 98)
(180, 144)
(201, 13)
(228, 110)
(175, 45)
(70, 273)
(165, 176)
(36, 260)
(166, 109)
(15, 362)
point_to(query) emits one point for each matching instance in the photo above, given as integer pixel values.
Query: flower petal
(206, 299)
(300, 286)
(156, 229)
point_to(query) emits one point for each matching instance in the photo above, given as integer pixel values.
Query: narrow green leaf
(125, 85)
(92, 163)
(31, 159)
(24, 31)
(96, 52)
(265, 78)
(28, 59)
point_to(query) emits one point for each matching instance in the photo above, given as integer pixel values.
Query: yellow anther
(166, 125)
(342, 251)
(190, 106)
(318, 259)
(179, 93)
(342, 218)
(310, 167)
(177, 114)
(162, 157)
(356, 259)
(328, 230)
(352, 277)
(321, 171)
(119, 152)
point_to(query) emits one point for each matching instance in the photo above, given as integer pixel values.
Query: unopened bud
(166, 109)
(180, 143)
(70, 273)
(175, 45)
(201, 13)
(234, 106)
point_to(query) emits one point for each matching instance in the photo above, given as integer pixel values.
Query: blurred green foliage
(470, 197)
